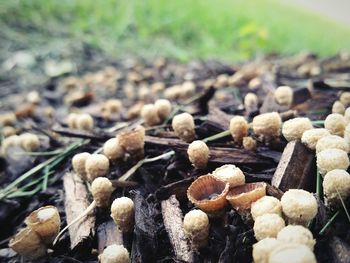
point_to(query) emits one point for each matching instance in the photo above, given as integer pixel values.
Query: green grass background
(183, 29)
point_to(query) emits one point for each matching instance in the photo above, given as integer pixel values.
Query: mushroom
(29, 142)
(284, 95)
(296, 234)
(238, 128)
(331, 159)
(96, 165)
(338, 107)
(101, 190)
(163, 108)
(266, 205)
(122, 212)
(196, 228)
(112, 149)
(231, 174)
(78, 163)
(335, 123)
(251, 102)
(263, 248)
(312, 136)
(183, 125)
(293, 129)
(150, 114)
(336, 185)
(299, 206)
(249, 143)
(8, 119)
(267, 225)
(198, 153)
(332, 142)
(133, 142)
(72, 120)
(85, 122)
(114, 254)
(267, 125)
(345, 98)
(292, 253)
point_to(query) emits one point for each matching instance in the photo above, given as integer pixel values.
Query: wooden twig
(172, 217)
(76, 202)
(296, 168)
(108, 234)
(102, 136)
(217, 154)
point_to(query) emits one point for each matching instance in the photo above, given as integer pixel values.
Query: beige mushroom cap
(293, 129)
(29, 142)
(331, 159)
(231, 174)
(96, 165)
(267, 124)
(122, 212)
(183, 125)
(267, 225)
(163, 108)
(263, 248)
(299, 206)
(332, 142)
(266, 205)
(115, 254)
(198, 153)
(335, 123)
(150, 114)
(335, 183)
(85, 122)
(238, 128)
(196, 227)
(296, 234)
(284, 95)
(312, 136)
(338, 107)
(101, 190)
(292, 253)
(112, 149)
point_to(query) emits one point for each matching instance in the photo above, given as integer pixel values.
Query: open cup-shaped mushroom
(208, 193)
(28, 244)
(241, 197)
(46, 222)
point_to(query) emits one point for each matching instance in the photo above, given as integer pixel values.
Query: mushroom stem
(217, 136)
(76, 220)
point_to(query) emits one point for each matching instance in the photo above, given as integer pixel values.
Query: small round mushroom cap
(122, 212)
(112, 105)
(183, 125)
(266, 205)
(345, 98)
(115, 254)
(293, 129)
(292, 253)
(163, 108)
(29, 142)
(78, 163)
(267, 124)
(112, 149)
(335, 123)
(231, 174)
(196, 227)
(263, 248)
(133, 142)
(188, 89)
(338, 107)
(249, 143)
(331, 159)
(85, 122)
(251, 102)
(150, 114)
(238, 128)
(332, 142)
(267, 225)
(198, 153)
(299, 206)
(311, 137)
(8, 142)
(8, 119)
(72, 120)
(296, 234)
(96, 165)
(335, 183)
(8, 131)
(101, 190)
(284, 95)
(255, 83)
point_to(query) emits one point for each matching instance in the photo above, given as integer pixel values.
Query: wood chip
(108, 234)
(76, 202)
(296, 168)
(172, 217)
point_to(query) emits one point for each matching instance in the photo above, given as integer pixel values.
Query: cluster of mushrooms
(280, 226)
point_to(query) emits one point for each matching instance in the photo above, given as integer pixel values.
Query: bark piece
(145, 241)
(218, 118)
(172, 217)
(217, 154)
(101, 136)
(108, 234)
(296, 168)
(76, 202)
(179, 189)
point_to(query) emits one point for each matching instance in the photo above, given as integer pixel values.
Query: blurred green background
(182, 29)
